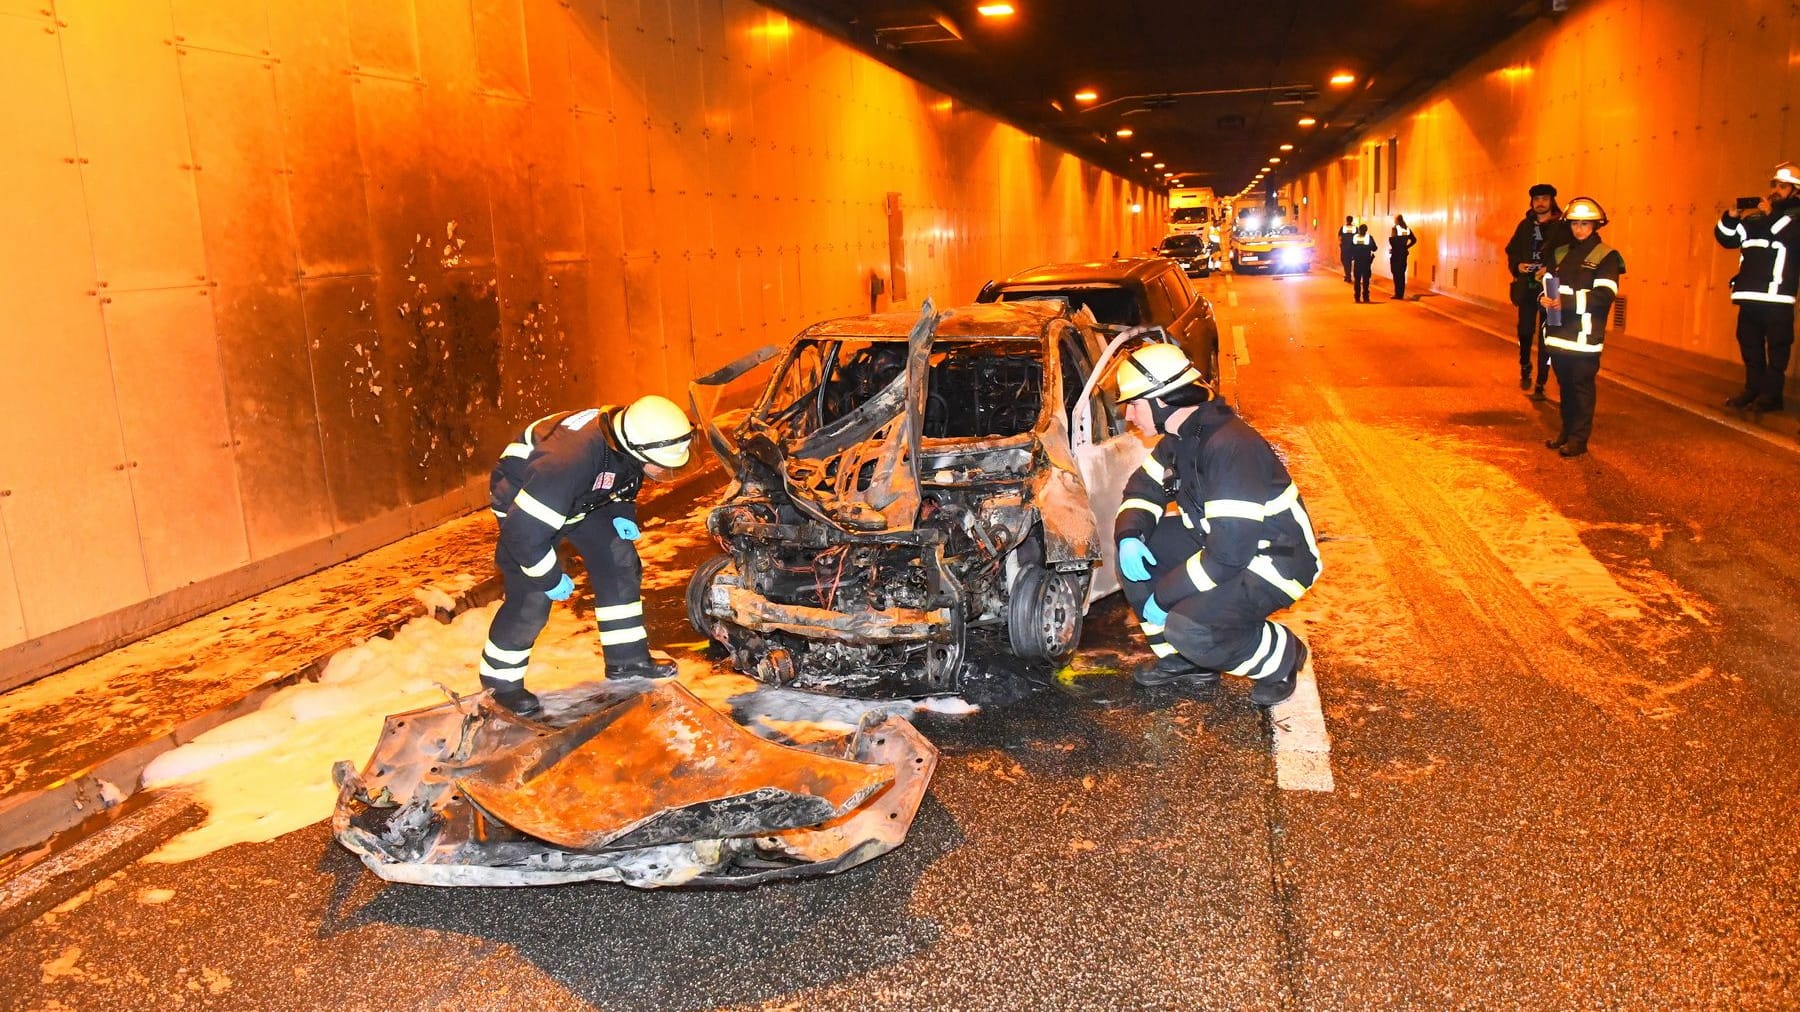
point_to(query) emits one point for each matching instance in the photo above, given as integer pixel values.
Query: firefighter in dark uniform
(1400, 244)
(1212, 535)
(1345, 235)
(1767, 279)
(1587, 271)
(576, 475)
(1541, 231)
(1362, 257)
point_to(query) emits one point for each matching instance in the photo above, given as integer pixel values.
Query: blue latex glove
(1135, 560)
(627, 529)
(564, 587)
(1153, 612)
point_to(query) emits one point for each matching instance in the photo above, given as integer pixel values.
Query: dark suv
(1133, 292)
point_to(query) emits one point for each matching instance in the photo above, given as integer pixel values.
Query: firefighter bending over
(1212, 535)
(576, 475)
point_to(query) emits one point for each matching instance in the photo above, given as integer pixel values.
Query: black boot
(1537, 392)
(513, 696)
(1742, 400)
(1269, 691)
(1175, 669)
(1557, 443)
(642, 669)
(1767, 402)
(1572, 450)
(1525, 382)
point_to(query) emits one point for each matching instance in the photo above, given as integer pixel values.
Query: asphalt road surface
(1562, 700)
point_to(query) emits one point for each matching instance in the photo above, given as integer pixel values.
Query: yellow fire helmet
(1153, 370)
(1787, 172)
(1585, 209)
(654, 431)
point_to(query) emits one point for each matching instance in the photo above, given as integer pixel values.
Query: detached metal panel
(177, 438)
(131, 126)
(71, 532)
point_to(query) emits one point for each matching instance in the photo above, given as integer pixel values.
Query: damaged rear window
(1110, 305)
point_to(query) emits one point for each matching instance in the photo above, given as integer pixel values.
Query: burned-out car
(903, 481)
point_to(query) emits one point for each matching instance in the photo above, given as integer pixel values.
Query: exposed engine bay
(894, 490)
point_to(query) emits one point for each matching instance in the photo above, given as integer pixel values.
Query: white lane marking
(1231, 297)
(1302, 746)
(1241, 347)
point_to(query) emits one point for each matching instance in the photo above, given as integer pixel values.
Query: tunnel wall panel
(353, 246)
(1663, 111)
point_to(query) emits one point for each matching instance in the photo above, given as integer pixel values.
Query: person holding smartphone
(1765, 285)
(1587, 272)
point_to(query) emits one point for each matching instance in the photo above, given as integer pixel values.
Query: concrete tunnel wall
(1662, 110)
(284, 276)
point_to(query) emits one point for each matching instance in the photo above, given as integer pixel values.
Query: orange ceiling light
(1146, 154)
(1287, 147)
(1123, 132)
(1160, 165)
(1342, 78)
(1308, 121)
(1274, 161)
(996, 10)
(1086, 95)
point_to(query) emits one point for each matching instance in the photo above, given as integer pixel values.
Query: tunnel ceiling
(1213, 89)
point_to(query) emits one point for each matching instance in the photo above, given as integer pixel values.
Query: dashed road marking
(1240, 346)
(1231, 297)
(1302, 746)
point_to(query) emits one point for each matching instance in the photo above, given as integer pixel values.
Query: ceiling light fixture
(1275, 161)
(996, 10)
(1287, 147)
(1342, 78)
(1123, 132)
(1146, 154)
(1307, 121)
(1160, 165)
(1086, 95)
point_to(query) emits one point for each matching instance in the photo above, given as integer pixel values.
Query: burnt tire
(1044, 614)
(698, 586)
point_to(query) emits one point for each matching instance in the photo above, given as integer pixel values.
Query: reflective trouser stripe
(1239, 508)
(1264, 567)
(503, 674)
(614, 637)
(1269, 651)
(1196, 572)
(543, 565)
(1761, 297)
(1159, 644)
(538, 511)
(1565, 344)
(510, 656)
(614, 612)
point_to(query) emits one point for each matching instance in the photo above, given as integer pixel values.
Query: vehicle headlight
(1293, 255)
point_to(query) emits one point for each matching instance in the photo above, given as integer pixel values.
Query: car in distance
(1189, 249)
(1271, 249)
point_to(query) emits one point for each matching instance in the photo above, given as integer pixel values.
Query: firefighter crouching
(1213, 536)
(576, 475)
(1767, 279)
(1587, 271)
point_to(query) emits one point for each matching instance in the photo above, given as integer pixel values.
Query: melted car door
(1105, 460)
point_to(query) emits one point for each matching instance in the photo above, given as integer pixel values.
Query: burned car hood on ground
(640, 783)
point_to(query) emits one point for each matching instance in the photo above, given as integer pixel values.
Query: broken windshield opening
(975, 389)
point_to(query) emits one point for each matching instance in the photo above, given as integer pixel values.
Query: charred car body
(903, 480)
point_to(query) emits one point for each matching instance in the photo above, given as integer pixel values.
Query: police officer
(1400, 243)
(1345, 235)
(1541, 231)
(1767, 279)
(1212, 535)
(576, 475)
(1587, 271)
(1362, 257)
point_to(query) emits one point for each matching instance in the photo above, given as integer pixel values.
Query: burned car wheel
(1044, 615)
(699, 585)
